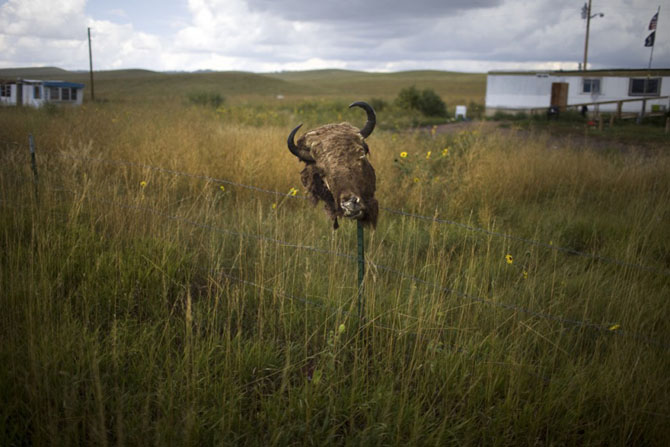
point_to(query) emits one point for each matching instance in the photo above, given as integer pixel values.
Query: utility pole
(90, 64)
(586, 14)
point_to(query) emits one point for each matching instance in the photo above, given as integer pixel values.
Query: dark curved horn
(372, 118)
(301, 154)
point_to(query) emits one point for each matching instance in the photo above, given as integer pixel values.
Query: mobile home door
(559, 95)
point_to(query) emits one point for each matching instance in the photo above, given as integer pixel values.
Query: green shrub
(427, 101)
(378, 104)
(408, 98)
(207, 99)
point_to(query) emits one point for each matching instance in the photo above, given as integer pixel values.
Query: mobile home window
(591, 86)
(54, 93)
(73, 94)
(644, 86)
(65, 94)
(5, 90)
(37, 92)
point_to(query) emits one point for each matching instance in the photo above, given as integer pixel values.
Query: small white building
(514, 92)
(36, 93)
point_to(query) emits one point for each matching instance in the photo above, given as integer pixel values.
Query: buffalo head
(337, 170)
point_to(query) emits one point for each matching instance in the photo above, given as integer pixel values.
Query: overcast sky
(371, 35)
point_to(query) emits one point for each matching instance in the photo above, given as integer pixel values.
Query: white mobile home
(26, 92)
(514, 92)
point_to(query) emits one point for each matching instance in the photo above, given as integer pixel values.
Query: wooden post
(19, 92)
(33, 164)
(667, 125)
(612, 120)
(619, 107)
(361, 271)
(90, 64)
(642, 110)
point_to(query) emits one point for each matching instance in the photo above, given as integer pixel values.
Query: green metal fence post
(361, 271)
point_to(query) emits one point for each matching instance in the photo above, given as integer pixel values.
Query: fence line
(436, 286)
(571, 251)
(470, 297)
(452, 348)
(455, 348)
(440, 287)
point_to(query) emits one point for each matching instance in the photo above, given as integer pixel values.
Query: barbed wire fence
(323, 303)
(549, 246)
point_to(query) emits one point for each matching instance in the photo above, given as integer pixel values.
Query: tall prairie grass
(141, 306)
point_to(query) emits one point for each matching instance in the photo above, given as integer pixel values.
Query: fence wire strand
(322, 303)
(605, 327)
(566, 250)
(436, 286)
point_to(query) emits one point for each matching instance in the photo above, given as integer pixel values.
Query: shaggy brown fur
(340, 171)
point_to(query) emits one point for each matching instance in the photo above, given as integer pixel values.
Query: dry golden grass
(142, 306)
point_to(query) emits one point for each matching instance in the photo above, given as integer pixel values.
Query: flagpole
(651, 55)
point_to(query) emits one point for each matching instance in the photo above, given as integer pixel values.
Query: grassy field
(151, 297)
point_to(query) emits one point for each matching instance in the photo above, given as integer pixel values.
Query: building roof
(63, 84)
(615, 72)
(45, 83)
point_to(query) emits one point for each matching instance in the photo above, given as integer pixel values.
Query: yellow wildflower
(416, 179)
(614, 327)
(222, 188)
(403, 154)
(274, 206)
(143, 183)
(293, 192)
(428, 155)
(525, 274)
(509, 258)
(445, 151)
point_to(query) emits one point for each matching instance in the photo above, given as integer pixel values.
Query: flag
(652, 24)
(649, 41)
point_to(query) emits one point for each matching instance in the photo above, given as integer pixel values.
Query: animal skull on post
(337, 170)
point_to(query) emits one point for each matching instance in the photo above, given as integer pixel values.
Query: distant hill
(59, 73)
(146, 85)
(385, 85)
(32, 72)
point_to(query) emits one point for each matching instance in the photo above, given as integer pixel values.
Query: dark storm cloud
(376, 35)
(365, 11)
